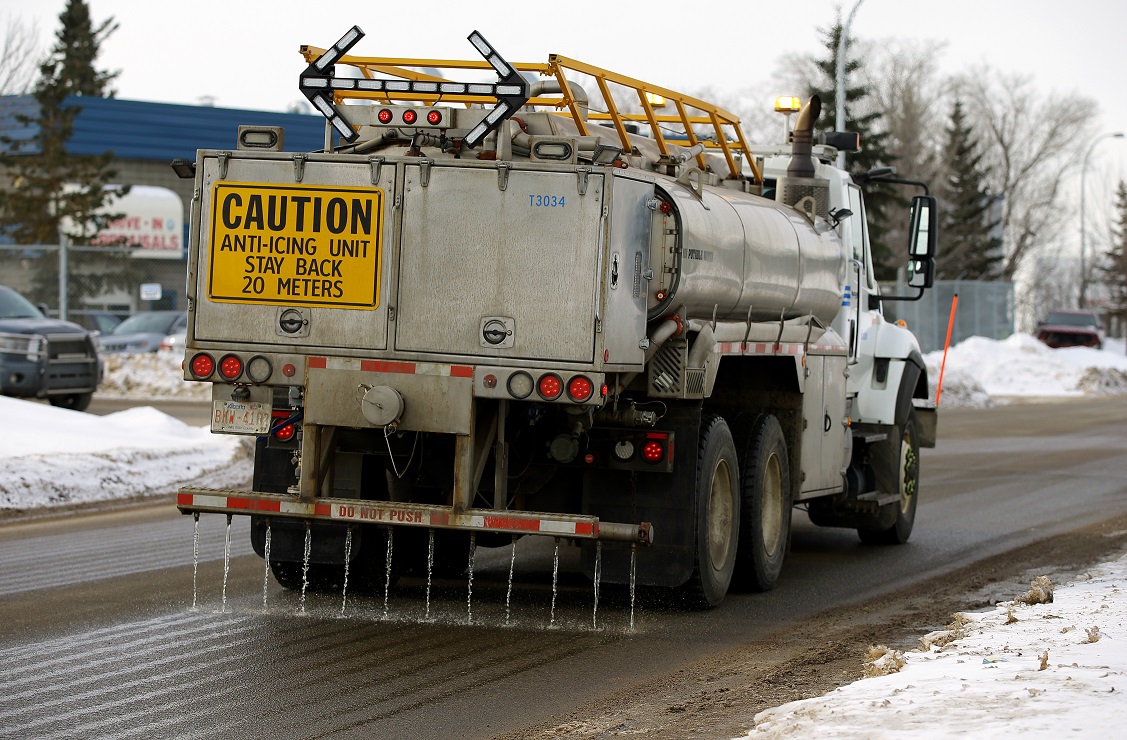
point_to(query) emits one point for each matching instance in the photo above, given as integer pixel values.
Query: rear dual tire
(766, 493)
(717, 515)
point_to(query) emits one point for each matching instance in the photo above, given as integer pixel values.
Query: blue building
(144, 138)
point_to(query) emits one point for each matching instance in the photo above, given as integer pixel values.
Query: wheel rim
(771, 505)
(720, 515)
(909, 472)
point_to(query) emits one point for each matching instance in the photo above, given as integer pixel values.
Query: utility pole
(839, 121)
(1083, 224)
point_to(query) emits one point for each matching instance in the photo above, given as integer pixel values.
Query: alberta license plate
(235, 417)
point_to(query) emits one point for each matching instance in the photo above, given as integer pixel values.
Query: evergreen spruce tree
(882, 201)
(50, 193)
(1114, 266)
(971, 247)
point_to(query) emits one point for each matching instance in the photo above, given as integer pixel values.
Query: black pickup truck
(45, 358)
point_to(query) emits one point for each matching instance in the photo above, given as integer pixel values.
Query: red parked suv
(1071, 329)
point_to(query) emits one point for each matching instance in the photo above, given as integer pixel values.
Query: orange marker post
(946, 344)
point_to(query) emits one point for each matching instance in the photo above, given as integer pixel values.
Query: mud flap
(666, 500)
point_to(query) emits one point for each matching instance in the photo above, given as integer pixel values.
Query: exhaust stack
(800, 189)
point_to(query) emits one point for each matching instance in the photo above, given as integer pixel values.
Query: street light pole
(1083, 225)
(839, 121)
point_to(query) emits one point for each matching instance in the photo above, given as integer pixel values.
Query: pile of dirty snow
(982, 371)
(149, 376)
(60, 457)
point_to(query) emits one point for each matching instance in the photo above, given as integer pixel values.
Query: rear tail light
(286, 432)
(230, 367)
(384, 115)
(656, 447)
(202, 366)
(410, 116)
(434, 118)
(579, 388)
(550, 386)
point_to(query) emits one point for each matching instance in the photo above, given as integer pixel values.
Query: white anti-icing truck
(489, 310)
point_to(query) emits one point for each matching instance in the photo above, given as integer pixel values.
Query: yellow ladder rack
(728, 137)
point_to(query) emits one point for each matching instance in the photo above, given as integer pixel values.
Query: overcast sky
(245, 54)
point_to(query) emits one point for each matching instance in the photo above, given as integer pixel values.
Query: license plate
(234, 417)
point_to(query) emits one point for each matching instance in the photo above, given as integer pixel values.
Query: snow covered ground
(981, 372)
(1038, 669)
(60, 457)
(1029, 670)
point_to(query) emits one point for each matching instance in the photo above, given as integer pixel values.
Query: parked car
(143, 332)
(45, 358)
(1071, 329)
(174, 342)
(102, 322)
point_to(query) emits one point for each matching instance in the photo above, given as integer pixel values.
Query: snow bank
(148, 377)
(982, 371)
(66, 457)
(1021, 670)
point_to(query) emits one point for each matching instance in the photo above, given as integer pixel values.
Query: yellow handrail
(726, 134)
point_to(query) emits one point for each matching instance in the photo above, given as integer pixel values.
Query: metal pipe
(426, 516)
(704, 343)
(672, 326)
(578, 94)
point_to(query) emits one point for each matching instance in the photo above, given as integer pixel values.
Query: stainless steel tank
(741, 251)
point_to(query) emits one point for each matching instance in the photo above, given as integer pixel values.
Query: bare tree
(1046, 283)
(20, 54)
(904, 83)
(1032, 143)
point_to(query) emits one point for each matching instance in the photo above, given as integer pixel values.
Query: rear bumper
(342, 510)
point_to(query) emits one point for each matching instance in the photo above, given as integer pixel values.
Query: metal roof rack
(725, 132)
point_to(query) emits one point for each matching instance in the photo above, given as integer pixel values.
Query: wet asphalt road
(98, 636)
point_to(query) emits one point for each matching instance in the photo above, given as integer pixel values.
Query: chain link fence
(108, 280)
(100, 280)
(986, 309)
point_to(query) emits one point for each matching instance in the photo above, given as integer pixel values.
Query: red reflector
(653, 451)
(489, 381)
(288, 370)
(285, 434)
(230, 367)
(589, 458)
(384, 115)
(579, 388)
(410, 116)
(434, 118)
(202, 366)
(550, 386)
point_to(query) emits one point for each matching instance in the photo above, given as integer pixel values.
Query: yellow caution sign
(298, 245)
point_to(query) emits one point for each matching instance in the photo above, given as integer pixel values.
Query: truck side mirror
(921, 241)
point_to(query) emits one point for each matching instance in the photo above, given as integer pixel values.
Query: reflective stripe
(390, 513)
(390, 366)
(770, 348)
